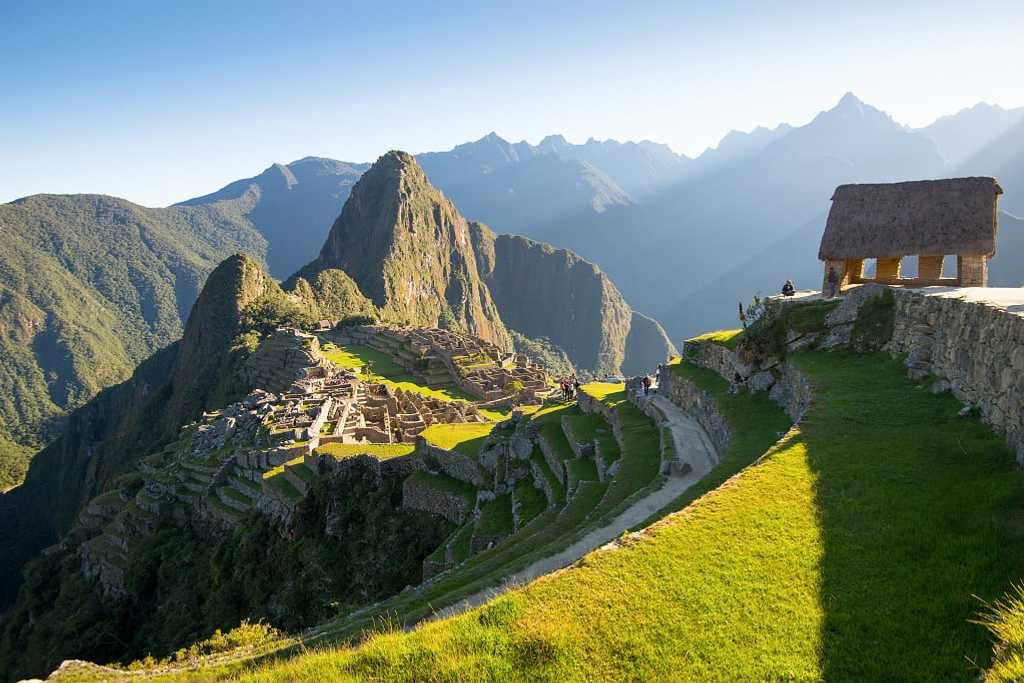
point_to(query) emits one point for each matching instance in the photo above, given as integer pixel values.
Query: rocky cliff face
(408, 250)
(546, 292)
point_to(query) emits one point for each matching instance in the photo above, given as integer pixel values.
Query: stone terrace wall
(792, 391)
(452, 463)
(974, 350)
(698, 404)
(420, 496)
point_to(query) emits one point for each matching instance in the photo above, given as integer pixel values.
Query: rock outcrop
(408, 249)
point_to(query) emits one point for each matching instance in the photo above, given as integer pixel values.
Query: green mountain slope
(104, 438)
(90, 286)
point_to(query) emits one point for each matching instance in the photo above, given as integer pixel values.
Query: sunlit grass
(726, 338)
(852, 551)
(381, 451)
(464, 437)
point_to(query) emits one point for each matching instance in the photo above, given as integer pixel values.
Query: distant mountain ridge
(291, 205)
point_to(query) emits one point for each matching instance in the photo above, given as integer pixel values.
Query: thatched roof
(886, 220)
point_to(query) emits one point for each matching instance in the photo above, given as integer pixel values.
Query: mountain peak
(849, 101)
(407, 248)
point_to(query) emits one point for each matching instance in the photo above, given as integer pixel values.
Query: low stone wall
(550, 455)
(452, 463)
(713, 356)
(540, 480)
(698, 404)
(420, 496)
(974, 350)
(792, 391)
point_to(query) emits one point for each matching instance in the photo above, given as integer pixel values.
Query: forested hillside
(89, 286)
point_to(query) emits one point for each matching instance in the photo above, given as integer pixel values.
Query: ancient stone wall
(974, 350)
(792, 391)
(422, 496)
(698, 404)
(452, 463)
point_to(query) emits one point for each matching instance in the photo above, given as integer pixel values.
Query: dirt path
(692, 445)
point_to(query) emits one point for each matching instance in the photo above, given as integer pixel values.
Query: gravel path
(692, 445)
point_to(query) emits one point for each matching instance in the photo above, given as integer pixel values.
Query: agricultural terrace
(860, 547)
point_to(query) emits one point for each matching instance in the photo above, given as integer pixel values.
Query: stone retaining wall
(974, 350)
(792, 391)
(424, 497)
(452, 463)
(697, 403)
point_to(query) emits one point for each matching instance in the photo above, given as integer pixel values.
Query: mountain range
(683, 239)
(399, 252)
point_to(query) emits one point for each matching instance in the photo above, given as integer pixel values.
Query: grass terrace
(852, 551)
(446, 484)
(464, 437)
(531, 500)
(727, 338)
(496, 517)
(381, 451)
(755, 421)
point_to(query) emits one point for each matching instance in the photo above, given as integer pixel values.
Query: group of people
(570, 386)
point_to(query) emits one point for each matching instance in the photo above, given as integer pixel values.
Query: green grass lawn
(464, 437)
(381, 451)
(531, 500)
(496, 517)
(727, 338)
(754, 420)
(853, 551)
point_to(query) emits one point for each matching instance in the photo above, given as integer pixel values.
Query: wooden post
(854, 271)
(972, 270)
(888, 269)
(929, 267)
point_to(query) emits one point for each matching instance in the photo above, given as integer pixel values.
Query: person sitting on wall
(788, 289)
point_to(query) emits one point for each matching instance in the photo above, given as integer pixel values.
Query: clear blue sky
(160, 101)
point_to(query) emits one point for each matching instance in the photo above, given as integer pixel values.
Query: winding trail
(692, 446)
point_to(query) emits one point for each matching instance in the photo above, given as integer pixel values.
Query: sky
(160, 101)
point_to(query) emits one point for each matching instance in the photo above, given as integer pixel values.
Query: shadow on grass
(919, 511)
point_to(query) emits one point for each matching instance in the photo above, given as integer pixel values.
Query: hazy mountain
(688, 235)
(89, 286)
(1002, 158)
(640, 168)
(520, 188)
(553, 294)
(292, 206)
(960, 136)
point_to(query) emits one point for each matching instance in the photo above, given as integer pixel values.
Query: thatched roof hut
(930, 217)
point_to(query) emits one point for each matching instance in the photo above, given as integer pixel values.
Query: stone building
(929, 219)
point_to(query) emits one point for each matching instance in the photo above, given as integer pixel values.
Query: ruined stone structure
(929, 219)
(445, 358)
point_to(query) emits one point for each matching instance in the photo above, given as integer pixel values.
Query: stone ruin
(442, 358)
